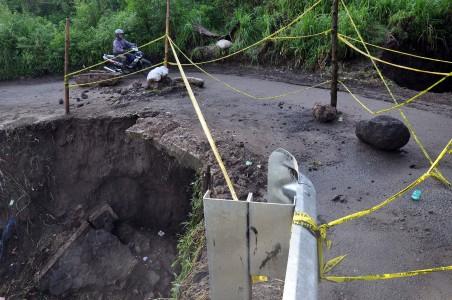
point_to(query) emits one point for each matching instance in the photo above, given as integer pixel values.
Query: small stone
(80, 105)
(84, 95)
(339, 198)
(324, 113)
(137, 84)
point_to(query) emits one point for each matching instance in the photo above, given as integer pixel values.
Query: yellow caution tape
(297, 37)
(259, 278)
(387, 62)
(403, 103)
(340, 279)
(260, 41)
(399, 52)
(440, 157)
(204, 125)
(239, 91)
(113, 78)
(418, 181)
(332, 263)
(103, 62)
(320, 232)
(305, 220)
(366, 212)
(407, 122)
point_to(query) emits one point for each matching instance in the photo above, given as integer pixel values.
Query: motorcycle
(115, 64)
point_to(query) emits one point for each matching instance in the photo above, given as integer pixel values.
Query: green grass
(32, 33)
(192, 241)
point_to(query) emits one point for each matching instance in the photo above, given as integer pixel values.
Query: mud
(58, 172)
(405, 235)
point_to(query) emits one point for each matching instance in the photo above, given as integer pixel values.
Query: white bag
(157, 74)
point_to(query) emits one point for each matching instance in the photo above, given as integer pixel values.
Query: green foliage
(26, 44)
(192, 241)
(32, 32)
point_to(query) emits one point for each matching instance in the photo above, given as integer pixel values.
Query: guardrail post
(302, 273)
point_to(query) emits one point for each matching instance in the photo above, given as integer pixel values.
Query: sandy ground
(406, 235)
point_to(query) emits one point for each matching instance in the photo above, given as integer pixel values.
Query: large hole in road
(96, 212)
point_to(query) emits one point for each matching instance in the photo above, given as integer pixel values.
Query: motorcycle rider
(121, 45)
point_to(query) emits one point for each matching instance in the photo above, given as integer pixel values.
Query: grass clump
(192, 241)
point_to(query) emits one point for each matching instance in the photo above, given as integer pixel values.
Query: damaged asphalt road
(406, 235)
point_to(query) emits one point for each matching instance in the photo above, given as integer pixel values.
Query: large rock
(383, 132)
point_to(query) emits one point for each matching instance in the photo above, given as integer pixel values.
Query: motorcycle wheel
(145, 63)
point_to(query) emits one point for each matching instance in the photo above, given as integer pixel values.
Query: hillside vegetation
(32, 32)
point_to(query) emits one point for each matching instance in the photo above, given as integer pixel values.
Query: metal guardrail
(302, 273)
(247, 238)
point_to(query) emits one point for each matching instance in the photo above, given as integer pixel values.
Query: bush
(32, 32)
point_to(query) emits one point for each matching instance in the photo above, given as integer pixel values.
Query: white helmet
(119, 31)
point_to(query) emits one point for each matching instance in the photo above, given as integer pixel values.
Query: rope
(386, 276)
(399, 52)
(406, 102)
(320, 232)
(204, 125)
(387, 62)
(402, 114)
(241, 92)
(301, 36)
(260, 41)
(366, 212)
(114, 78)
(102, 62)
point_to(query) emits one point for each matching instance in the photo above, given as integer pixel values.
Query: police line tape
(320, 232)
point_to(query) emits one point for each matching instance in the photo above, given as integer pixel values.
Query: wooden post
(206, 180)
(167, 32)
(66, 68)
(334, 42)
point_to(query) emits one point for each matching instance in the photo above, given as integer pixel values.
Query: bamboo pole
(66, 68)
(334, 42)
(167, 32)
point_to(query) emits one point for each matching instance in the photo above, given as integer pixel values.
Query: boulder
(324, 113)
(383, 132)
